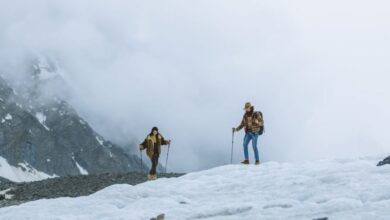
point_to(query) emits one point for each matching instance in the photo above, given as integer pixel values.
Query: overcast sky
(319, 71)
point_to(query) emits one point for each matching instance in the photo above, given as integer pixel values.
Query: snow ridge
(337, 189)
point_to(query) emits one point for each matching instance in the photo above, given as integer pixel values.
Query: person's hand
(169, 141)
(234, 129)
(141, 147)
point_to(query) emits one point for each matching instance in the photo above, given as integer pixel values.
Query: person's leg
(151, 168)
(255, 137)
(154, 164)
(247, 138)
(156, 161)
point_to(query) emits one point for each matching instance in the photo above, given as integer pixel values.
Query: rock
(384, 162)
(73, 186)
(159, 217)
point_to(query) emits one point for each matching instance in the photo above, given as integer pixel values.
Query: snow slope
(337, 189)
(22, 173)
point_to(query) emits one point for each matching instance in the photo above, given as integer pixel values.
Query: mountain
(42, 136)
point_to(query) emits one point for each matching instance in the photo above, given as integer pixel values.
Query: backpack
(261, 132)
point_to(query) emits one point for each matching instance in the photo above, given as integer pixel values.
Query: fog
(318, 70)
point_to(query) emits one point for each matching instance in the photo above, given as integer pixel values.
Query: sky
(318, 70)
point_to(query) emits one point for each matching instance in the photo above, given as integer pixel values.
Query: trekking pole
(231, 153)
(166, 160)
(142, 164)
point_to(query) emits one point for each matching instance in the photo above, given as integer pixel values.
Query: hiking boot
(257, 162)
(152, 176)
(246, 162)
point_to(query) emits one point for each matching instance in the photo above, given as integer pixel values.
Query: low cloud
(317, 70)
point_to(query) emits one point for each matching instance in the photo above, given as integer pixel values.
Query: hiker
(254, 126)
(152, 144)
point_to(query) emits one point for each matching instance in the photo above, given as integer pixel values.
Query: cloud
(317, 70)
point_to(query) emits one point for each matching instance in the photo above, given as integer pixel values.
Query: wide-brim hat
(248, 105)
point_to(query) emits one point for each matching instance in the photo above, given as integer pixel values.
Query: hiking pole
(142, 164)
(231, 153)
(166, 160)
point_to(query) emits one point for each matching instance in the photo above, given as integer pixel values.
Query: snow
(5, 193)
(45, 72)
(100, 140)
(19, 105)
(8, 117)
(42, 119)
(45, 75)
(22, 173)
(81, 169)
(337, 189)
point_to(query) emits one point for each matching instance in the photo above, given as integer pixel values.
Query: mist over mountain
(42, 135)
(318, 72)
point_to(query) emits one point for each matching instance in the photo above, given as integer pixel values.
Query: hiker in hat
(152, 144)
(254, 126)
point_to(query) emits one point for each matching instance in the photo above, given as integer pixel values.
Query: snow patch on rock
(8, 117)
(5, 193)
(42, 119)
(81, 169)
(101, 142)
(22, 173)
(45, 69)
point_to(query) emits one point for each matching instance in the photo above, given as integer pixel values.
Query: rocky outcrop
(51, 137)
(73, 186)
(384, 161)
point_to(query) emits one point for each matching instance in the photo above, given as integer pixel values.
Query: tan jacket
(252, 122)
(148, 144)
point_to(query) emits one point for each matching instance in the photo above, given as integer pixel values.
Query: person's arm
(165, 142)
(144, 144)
(241, 126)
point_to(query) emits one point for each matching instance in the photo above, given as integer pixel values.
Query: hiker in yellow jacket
(152, 144)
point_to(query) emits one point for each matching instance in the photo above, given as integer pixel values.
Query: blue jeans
(251, 136)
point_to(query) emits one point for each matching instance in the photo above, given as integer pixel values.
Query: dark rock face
(52, 138)
(159, 217)
(384, 162)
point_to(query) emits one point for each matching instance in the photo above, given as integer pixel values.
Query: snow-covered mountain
(333, 189)
(42, 136)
